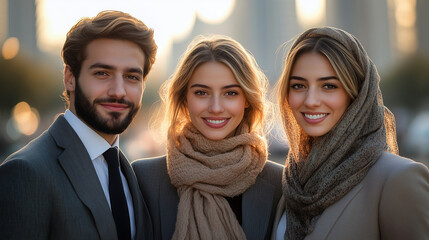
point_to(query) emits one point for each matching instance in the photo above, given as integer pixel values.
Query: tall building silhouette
(422, 7)
(369, 21)
(21, 21)
(260, 26)
(3, 20)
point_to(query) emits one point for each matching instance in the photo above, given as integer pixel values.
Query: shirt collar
(95, 145)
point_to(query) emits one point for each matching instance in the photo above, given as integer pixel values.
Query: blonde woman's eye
(200, 93)
(297, 86)
(231, 93)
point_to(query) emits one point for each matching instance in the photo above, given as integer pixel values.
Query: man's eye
(100, 73)
(132, 77)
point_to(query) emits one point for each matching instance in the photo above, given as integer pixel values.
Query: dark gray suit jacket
(49, 190)
(258, 202)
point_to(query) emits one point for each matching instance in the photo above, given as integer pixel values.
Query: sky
(171, 19)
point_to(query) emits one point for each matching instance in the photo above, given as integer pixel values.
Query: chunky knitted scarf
(321, 171)
(204, 173)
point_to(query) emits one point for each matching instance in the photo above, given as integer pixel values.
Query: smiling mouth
(216, 123)
(315, 116)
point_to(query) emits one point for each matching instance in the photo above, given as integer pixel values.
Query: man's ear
(69, 79)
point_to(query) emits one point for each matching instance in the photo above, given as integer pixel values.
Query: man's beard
(88, 113)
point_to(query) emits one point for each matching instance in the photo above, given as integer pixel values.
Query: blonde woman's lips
(216, 122)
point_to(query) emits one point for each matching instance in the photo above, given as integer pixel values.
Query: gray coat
(390, 203)
(258, 202)
(50, 190)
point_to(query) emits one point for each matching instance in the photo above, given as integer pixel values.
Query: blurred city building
(19, 21)
(422, 7)
(390, 30)
(260, 26)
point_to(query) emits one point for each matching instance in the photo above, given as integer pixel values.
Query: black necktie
(118, 202)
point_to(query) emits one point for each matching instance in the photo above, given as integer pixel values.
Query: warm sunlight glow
(406, 33)
(3, 19)
(310, 12)
(406, 40)
(171, 19)
(26, 119)
(406, 13)
(10, 48)
(146, 143)
(214, 11)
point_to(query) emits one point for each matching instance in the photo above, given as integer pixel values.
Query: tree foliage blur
(36, 81)
(407, 85)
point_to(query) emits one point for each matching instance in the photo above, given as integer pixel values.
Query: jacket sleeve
(24, 202)
(404, 204)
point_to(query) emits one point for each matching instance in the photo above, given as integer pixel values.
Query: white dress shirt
(95, 146)
(281, 228)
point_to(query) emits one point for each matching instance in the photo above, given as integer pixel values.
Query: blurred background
(32, 32)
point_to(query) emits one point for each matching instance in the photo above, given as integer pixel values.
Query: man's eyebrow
(110, 67)
(101, 65)
(135, 70)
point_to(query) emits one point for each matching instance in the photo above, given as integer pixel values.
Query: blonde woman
(343, 178)
(215, 181)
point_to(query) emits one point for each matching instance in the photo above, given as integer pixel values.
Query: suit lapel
(331, 215)
(80, 171)
(257, 204)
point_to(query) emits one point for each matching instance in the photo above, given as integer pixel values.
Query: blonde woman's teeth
(316, 116)
(216, 121)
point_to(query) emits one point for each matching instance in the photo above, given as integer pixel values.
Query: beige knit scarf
(321, 171)
(205, 172)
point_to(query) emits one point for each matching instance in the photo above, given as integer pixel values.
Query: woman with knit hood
(343, 178)
(215, 181)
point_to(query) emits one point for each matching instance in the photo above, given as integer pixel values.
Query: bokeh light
(10, 48)
(214, 11)
(310, 13)
(26, 119)
(405, 18)
(405, 13)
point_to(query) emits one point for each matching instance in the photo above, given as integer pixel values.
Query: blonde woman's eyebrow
(231, 86)
(199, 85)
(205, 86)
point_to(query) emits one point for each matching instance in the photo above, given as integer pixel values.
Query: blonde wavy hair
(222, 49)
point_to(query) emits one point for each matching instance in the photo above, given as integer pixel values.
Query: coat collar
(169, 201)
(330, 216)
(326, 221)
(80, 171)
(257, 208)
